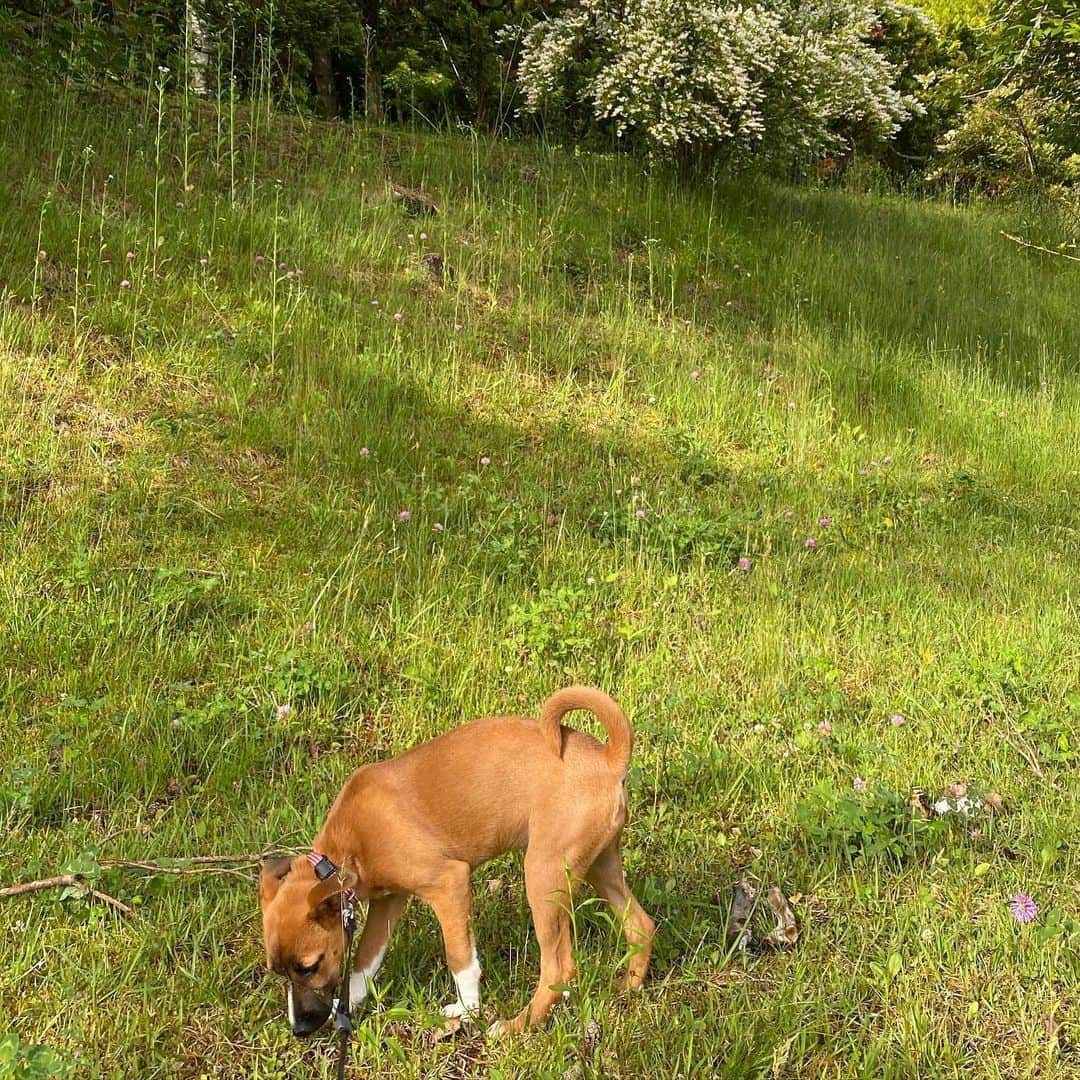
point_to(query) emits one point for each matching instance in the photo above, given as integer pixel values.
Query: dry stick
(61, 881)
(197, 864)
(193, 860)
(1039, 247)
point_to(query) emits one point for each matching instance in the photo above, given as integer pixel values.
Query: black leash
(324, 868)
(343, 1017)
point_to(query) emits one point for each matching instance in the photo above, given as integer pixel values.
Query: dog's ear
(270, 878)
(323, 898)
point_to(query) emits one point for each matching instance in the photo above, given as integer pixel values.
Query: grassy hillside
(290, 479)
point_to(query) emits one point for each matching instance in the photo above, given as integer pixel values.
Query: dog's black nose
(303, 1026)
(308, 1011)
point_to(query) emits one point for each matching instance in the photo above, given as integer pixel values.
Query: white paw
(457, 1010)
(498, 1029)
(358, 988)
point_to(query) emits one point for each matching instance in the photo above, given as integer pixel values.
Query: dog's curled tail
(605, 709)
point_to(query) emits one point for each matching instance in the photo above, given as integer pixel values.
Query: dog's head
(304, 938)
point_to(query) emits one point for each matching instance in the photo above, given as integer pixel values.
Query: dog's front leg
(451, 900)
(382, 915)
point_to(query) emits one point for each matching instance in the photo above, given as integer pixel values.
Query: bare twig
(183, 863)
(61, 881)
(152, 867)
(105, 898)
(1039, 247)
(45, 883)
(1026, 751)
(194, 864)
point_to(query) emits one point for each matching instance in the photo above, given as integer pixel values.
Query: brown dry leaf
(494, 884)
(786, 933)
(742, 906)
(919, 803)
(993, 803)
(450, 1026)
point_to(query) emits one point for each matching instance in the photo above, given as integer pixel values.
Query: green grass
(193, 536)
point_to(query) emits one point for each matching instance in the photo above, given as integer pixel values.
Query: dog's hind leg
(548, 889)
(607, 878)
(451, 900)
(382, 914)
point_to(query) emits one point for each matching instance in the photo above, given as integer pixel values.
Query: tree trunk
(322, 68)
(373, 108)
(198, 52)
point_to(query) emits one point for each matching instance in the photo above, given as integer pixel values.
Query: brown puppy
(418, 824)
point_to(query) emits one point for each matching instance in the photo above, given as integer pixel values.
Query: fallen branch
(1039, 247)
(62, 881)
(194, 864)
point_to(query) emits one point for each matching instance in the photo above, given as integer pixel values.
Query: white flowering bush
(780, 79)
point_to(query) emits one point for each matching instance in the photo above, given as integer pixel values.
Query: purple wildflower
(364, 451)
(1022, 908)
(130, 255)
(695, 375)
(125, 284)
(824, 522)
(282, 711)
(639, 513)
(404, 515)
(260, 258)
(398, 316)
(438, 526)
(859, 784)
(744, 564)
(810, 544)
(898, 719)
(485, 460)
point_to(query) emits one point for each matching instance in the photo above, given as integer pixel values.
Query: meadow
(295, 472)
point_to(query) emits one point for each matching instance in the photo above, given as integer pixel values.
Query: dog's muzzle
(308, 1011)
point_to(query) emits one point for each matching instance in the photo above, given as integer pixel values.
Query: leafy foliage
(1020, 84)
(877, 825)
(787, 80)
(26, 1061)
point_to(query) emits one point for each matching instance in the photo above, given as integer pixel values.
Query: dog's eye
(308, 969)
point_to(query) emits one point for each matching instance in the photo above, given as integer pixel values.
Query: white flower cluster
(773, 78)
